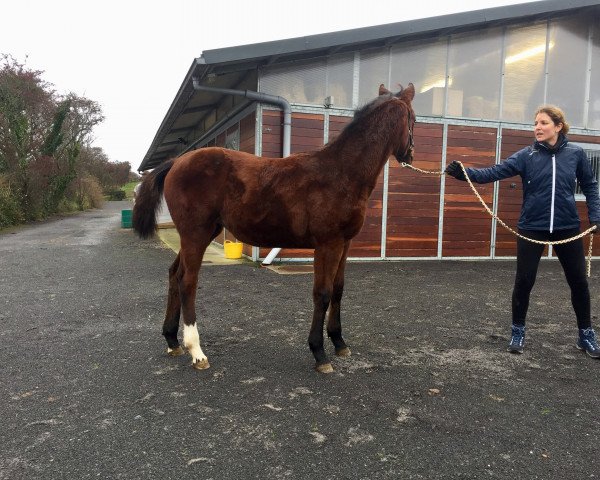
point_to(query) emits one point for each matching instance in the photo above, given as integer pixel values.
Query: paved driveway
(87, 390)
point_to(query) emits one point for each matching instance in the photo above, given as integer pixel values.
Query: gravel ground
(88, 391)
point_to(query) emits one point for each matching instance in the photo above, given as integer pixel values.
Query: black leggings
(572, 259)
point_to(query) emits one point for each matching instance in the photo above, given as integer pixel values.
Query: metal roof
(236, 67)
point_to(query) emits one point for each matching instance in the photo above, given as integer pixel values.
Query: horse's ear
(383, 90)
(400, 92)
(408, 93)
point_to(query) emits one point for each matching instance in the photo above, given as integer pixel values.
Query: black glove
(454, 170)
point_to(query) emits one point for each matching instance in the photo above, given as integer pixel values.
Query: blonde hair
(556, 114)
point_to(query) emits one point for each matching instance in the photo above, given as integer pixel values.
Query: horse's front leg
(327, 259)
(171, 323)
(334, 323)
(191, 254)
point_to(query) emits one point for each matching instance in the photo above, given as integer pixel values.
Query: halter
(411, 144)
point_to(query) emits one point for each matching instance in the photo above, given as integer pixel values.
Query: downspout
(287, 125)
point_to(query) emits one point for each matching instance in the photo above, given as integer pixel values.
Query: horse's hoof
(175, 352)
(343, 352)
(324, 368)
(201, 364)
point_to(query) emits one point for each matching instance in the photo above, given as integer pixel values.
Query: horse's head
(406, 146)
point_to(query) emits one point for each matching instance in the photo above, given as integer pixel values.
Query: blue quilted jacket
(549, 176)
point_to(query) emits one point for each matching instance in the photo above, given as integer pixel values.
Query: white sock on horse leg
(191, 340)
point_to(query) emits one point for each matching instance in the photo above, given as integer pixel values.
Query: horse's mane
(360, 115)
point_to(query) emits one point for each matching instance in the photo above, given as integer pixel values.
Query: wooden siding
(220, 140)
(467, 226)
(272, 132)
(414, 198)
(307, 132)
(248, 134)
(336, 125)
(413, 214)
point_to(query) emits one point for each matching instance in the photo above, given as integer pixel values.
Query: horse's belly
(272, 238)
(271, 231)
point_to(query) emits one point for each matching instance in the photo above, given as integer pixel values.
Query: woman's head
(549, 124)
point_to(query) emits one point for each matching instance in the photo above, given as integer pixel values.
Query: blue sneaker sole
(514, 350)
(591, 355)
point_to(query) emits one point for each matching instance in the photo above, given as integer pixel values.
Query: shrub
(87, 192)
(116, 195)
(10, 211)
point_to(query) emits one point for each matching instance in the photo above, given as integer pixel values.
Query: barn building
(479, 77)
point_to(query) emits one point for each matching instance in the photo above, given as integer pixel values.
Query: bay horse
(307, 200)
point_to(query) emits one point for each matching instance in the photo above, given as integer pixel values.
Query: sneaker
(587, 342)
(517, 341)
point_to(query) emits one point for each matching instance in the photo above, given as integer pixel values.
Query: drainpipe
(287, 125)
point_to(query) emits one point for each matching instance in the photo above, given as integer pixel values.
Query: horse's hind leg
(191, 253)
(171, 323)
(327, 259)
(334, 323)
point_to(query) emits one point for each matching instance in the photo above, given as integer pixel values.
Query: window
(474, 75)
(340, 70)
(424, 64)
(232, 140)
(301, 82)
(524, 72)
(594, 112)
(374, 70)
(567, 67)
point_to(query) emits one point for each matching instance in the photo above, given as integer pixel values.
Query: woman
(548, 170)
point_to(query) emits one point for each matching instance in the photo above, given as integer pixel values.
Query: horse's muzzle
(406, 157)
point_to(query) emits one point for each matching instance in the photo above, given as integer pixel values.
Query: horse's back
(206, 180)
(290, 202)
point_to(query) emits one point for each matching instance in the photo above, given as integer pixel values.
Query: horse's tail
(147, 201)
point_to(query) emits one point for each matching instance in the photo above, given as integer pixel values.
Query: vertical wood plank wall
(467, 226)
(413, 199)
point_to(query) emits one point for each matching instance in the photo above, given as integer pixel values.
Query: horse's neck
(364, 157)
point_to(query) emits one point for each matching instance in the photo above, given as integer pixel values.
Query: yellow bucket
(233, 249)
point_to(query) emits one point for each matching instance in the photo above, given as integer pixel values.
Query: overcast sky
(131, 55)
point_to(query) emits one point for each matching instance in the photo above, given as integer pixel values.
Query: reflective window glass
(297, 82)
(524, 72)
(339, 80)
(567, 67)
(374, 70)
(474, 74)
(424, 64)
(594, 105)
